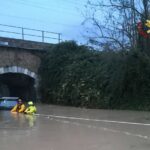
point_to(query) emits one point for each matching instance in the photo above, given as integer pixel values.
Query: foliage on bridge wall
(74, 75)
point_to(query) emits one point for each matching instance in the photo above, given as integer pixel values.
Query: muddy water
(70, 128)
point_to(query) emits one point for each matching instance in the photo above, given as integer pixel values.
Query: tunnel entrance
(17, 85)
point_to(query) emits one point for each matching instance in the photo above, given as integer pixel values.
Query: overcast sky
(63, 16)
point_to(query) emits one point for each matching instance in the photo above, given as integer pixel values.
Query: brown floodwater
(69, 128)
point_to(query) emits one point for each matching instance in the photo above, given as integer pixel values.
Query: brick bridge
(19, 64)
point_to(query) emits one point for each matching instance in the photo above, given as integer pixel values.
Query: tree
(114, 22)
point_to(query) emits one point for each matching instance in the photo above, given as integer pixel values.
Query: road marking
(107, 129)
(95, 120)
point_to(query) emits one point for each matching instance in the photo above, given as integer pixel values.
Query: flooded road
(67, 128)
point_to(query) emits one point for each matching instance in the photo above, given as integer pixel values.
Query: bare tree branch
(119, 23)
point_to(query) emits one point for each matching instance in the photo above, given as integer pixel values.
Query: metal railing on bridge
(29, 34)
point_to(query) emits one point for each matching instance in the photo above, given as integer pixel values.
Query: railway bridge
(19, 64)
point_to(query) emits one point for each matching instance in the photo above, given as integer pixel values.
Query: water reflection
(31, 120)
(4, 115)
(23, 120)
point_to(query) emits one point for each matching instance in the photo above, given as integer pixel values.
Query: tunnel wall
(16, 84)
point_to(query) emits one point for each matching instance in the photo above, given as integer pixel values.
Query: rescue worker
(19, 108)
(31, 109)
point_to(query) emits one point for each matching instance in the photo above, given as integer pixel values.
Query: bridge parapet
(18, 43)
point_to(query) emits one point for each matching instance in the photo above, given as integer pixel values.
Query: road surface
(68, 128)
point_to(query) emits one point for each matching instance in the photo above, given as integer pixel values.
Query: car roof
(9, 97)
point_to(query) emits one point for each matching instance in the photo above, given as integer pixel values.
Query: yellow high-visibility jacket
(19, 108)
(30, 110)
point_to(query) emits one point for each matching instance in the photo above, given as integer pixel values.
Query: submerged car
(7, 103)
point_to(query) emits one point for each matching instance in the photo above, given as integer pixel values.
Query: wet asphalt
(69, 128)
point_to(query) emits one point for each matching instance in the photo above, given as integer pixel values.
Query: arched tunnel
(17, 85)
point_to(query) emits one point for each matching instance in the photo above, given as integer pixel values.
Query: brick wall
(19, 57)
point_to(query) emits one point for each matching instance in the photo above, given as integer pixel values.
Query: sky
(60, 16)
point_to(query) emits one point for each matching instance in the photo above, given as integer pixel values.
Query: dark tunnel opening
(17, 85)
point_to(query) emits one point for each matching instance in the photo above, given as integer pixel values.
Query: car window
(8, 102)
